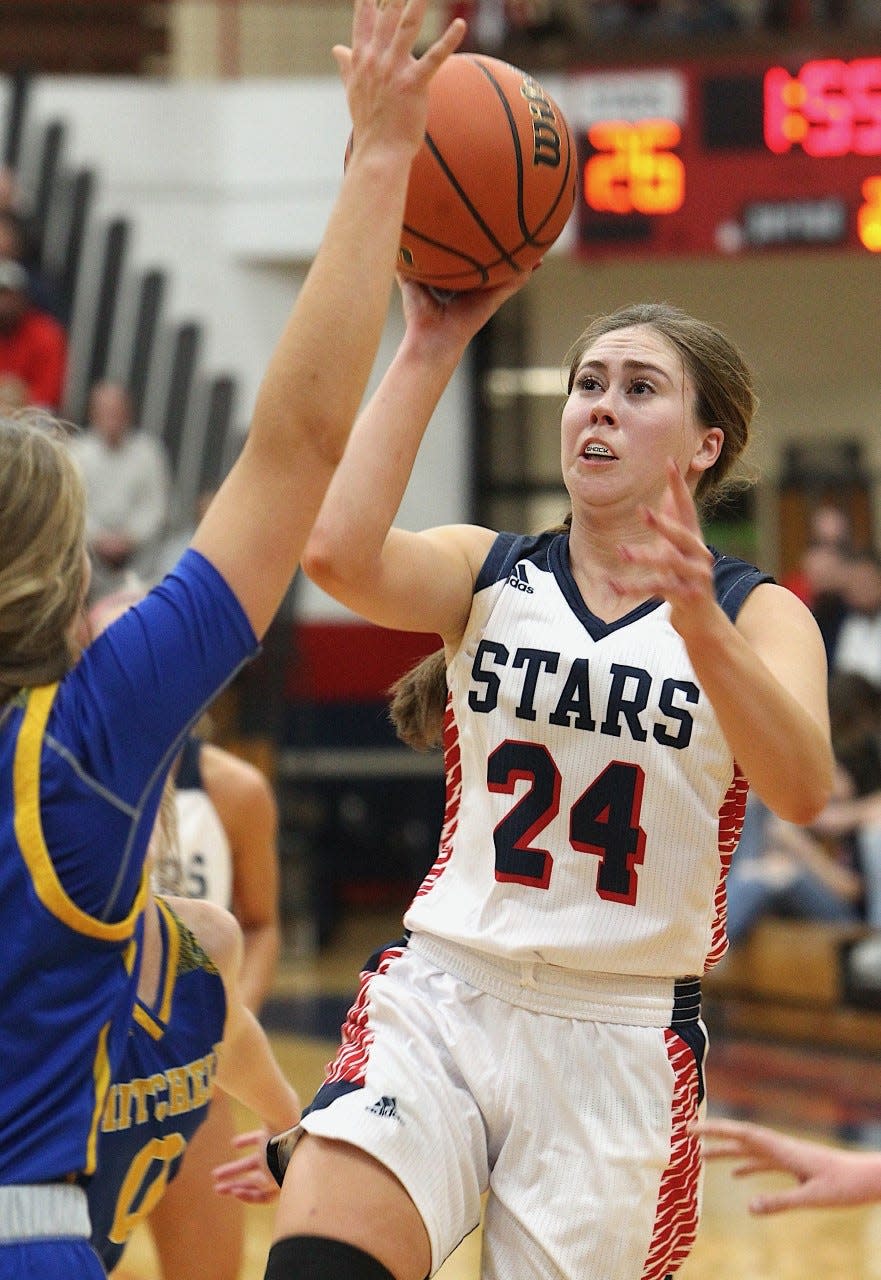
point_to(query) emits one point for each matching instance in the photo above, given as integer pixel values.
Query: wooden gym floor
(825, 1095)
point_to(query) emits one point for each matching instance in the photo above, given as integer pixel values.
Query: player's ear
(708, 449)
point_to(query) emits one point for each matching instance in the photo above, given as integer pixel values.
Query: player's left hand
(675, 563)
(247, 1179)
(453, 319)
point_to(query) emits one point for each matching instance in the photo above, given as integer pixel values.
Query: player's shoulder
(735, 580)
(231, 780)
(215, 929)
(509, 549)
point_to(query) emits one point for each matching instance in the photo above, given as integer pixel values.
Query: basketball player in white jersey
(615, 686)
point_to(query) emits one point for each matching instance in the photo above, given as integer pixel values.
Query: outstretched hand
(386, 85)
(453, 321)
(826, 1176)
(675, 563)
(247, 1179)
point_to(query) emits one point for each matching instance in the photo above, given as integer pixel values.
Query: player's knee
(317, 1258)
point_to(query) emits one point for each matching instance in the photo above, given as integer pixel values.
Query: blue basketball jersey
(82, 765)
(161, 1093)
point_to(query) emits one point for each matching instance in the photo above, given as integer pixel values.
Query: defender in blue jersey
(84, 748)
(189, 1032)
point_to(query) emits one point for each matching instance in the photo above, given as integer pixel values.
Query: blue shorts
(65, 1259)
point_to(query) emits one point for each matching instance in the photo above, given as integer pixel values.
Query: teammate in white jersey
(614, 688)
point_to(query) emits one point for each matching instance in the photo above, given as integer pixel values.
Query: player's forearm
(248, 1071)
(262, 945)
(782, 750)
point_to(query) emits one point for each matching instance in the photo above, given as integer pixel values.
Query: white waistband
(51, 1209)
(568, 993)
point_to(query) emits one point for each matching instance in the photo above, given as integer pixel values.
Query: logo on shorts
(386, 1107)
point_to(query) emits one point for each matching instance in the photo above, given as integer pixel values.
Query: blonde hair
(42, 550)
(166, 863)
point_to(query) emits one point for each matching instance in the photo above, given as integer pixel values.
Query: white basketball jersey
(205, 851)
(593, 804)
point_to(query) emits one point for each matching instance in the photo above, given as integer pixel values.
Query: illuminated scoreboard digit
(828, 108)
(633, 168)
(729, 157)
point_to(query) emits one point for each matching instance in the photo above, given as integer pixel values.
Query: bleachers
(82, 36)
(120, 326)
(789, 981)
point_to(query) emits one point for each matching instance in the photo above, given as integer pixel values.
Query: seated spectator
(831, 870)
(855, 712)
(819, 581)
(16, 242)
(126, 476)
(33, 345)
(798, 872)
(858, 648)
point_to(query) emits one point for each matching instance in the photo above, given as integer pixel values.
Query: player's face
(630, 409)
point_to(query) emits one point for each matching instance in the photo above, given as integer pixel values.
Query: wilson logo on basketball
(546, 138)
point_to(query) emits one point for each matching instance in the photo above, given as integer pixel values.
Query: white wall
(228, 187)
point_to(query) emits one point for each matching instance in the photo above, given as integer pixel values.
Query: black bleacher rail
(114, 250)
(20, 83)
(218, 434)
(63, 205)
(185, 349)
(48, 169)
(78, 195)
(151, 295)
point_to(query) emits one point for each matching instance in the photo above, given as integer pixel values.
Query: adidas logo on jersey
(385, 1107)
(519, 580)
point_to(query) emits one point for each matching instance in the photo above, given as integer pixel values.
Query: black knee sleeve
(317, 1258)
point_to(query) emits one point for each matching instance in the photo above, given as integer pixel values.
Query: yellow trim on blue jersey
(155, 1024)
(101, 1074)
(29, 829)
(145, 1019)
(172, 957)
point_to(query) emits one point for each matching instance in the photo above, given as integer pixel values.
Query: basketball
(493, 184)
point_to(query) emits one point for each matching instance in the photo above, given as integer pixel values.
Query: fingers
(342, 56)
(445, 44)
(251, 1138)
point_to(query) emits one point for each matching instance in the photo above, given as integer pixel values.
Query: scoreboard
(737, 156)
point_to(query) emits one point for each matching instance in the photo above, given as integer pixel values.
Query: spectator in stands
(818, 578)
(17, 242)
(786, 870)
(832, 870)
(855, 718)
(126, 475)
(33, 345)
(793, 15)
(858, 648)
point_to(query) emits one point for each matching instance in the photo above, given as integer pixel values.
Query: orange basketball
(493, 184)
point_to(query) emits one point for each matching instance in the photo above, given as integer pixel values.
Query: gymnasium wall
(228, 185)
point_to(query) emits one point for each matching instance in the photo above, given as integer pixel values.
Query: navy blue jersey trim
(189, 769)
(507, 550)
(734, 580)
(329, 1093)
